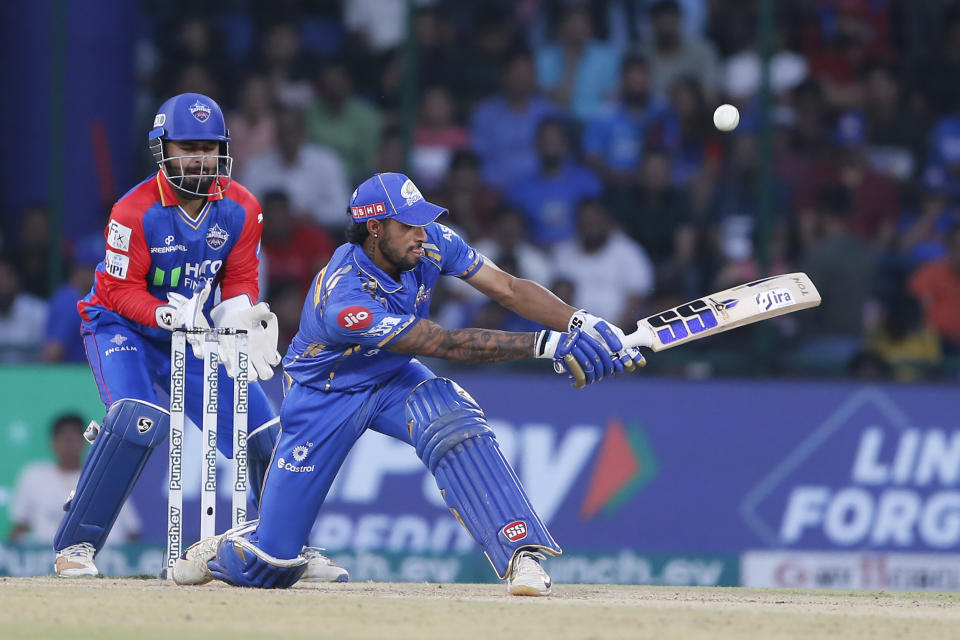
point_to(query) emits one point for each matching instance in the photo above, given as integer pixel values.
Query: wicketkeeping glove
(582, 357)
(609, 334)
(182, 312)
(262, 333)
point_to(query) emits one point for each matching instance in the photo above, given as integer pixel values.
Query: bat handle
(642, 337)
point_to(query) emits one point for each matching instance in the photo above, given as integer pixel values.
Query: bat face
(725, 310)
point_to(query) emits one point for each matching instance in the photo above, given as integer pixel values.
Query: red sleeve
(123, 288)
(242, 270)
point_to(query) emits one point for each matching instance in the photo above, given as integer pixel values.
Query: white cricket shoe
(192, 568)
(527, 577)
(320, 568)
(75, 561)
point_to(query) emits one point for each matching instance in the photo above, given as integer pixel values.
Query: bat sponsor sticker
(775, 299)
(355, 318)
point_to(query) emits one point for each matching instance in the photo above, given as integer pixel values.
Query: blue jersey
(353, 311)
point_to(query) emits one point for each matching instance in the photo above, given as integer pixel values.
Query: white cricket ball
(726, 117)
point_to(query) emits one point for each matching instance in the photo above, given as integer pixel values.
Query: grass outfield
(103, 609)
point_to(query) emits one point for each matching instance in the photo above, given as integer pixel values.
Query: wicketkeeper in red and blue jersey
(179, 235)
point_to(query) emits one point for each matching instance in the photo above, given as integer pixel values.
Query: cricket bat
(725, 310)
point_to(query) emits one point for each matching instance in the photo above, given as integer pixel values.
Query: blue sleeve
(63, 320)
(454, 256)
(361, 320)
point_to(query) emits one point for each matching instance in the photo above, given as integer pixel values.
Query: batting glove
(610, 335)
(583, 358)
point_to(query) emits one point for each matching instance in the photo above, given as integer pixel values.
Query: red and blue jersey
(154, 247)
(354, 310)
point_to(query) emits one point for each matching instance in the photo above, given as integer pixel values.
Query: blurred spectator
(842, 265)
(296, 249)
(921, 235)
(192, 54)
(911, 349)
(693, 151)
(741, 71)
(611, 273)
(656, 214)
(614, 140)
(937, 286)
(549, 197)
(311, 175)
(31, 254)
(938, 73)
(23, 317)
(438, 51)
(63, 340)
(487, 53)
(673, 54)
(503, 128)
(895, 129)
(253, 127)
(628, 21)
(345, 123)
(508, 244)
(392, 156)
(195, 78)
(471, 204)
(874, 196)
(436, 138)
(282, 60)
(945, 149)
(844, 36)
(43, 487)
(578, 71)
(380, 23)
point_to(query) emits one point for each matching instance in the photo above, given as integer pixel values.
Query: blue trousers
(318, 430)
(126, 364)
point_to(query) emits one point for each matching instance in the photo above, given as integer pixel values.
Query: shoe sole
(527, 591)
(341, 578)
(67, 574)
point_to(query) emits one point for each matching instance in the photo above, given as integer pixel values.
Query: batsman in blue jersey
(187, 230)
(351, 367)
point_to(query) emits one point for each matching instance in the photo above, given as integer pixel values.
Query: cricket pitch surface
(143, 609)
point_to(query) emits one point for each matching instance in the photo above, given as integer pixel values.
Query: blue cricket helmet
(191, 116)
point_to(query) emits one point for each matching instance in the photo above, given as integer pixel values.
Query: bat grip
(642, 337)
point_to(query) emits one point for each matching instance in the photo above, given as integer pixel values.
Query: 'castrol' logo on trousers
(283, 464)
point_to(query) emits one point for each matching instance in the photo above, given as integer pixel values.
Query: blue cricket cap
(393, 196)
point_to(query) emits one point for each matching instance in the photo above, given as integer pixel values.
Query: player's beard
(401, 261)
(189, 182)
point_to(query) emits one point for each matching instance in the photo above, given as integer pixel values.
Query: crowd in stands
(572, 143)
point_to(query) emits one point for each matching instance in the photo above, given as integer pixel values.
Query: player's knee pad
(452, 438)
(130, 431)
(241, 563)
(260, 444)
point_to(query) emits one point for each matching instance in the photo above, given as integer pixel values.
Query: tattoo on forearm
(465, 345)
